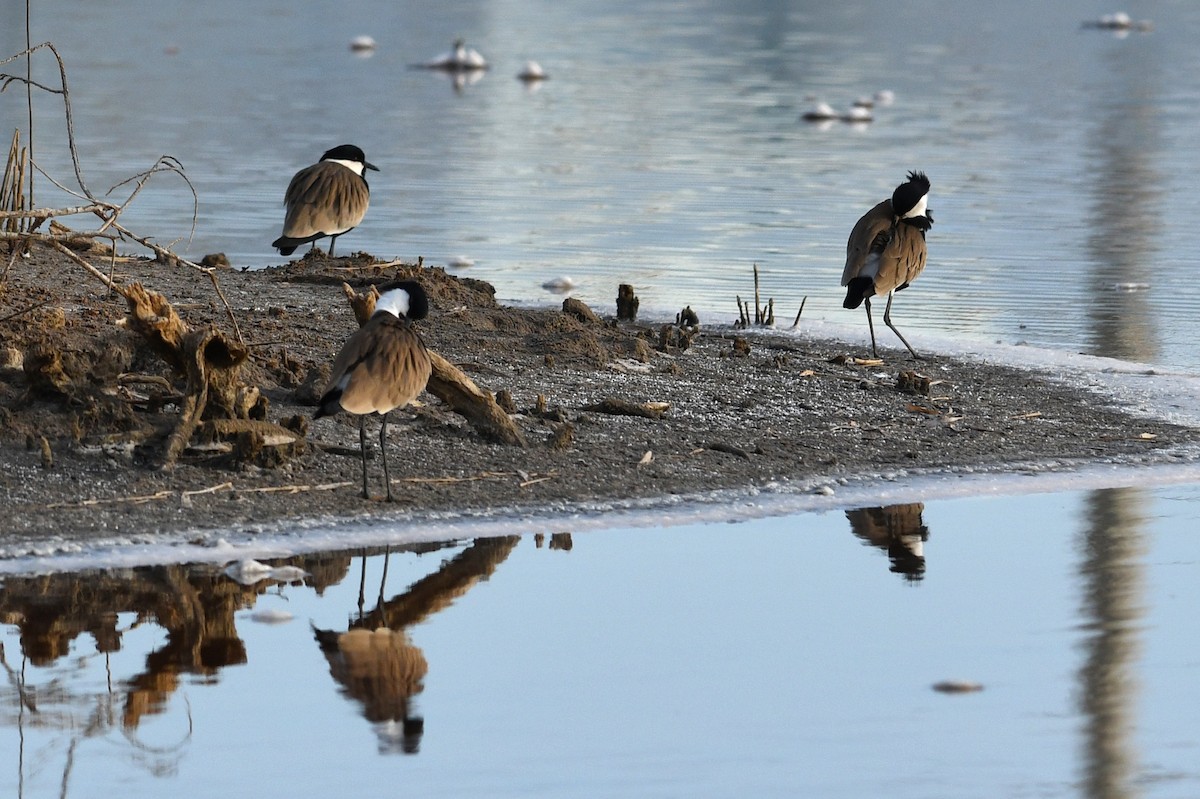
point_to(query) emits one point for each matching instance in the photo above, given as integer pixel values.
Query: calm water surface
(667, 151)
(790, 657)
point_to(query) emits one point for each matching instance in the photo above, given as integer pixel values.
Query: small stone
(580, 310)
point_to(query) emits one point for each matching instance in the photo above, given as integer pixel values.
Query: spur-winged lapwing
(328, 198)
(383, 366)
(886, 250)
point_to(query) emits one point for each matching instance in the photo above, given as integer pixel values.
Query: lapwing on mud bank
(328, 198)
(886, 251)
(382, 366)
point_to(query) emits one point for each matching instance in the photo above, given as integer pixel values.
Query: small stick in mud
(620, 407)
(764, 315)
(796, 323)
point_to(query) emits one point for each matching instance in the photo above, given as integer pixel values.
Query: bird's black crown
(908, 194)
(345, 152)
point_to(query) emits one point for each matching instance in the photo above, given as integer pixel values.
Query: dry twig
(108, 212)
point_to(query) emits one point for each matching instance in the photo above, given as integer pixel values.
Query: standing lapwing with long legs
(328, 198)
(382, 366)
(886, 251)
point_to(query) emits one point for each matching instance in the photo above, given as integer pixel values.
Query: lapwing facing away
(383, 366)
(328, 198)
(886, 251)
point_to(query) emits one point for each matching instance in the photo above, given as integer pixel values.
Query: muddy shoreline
(742, 410)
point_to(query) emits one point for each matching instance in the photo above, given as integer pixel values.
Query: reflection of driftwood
(449, 384)
(438, 590)
(374, 661)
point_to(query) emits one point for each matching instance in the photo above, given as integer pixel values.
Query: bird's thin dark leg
(332, 239)
(362, 446)
(871, 325)
(387, 479)
(887, 320)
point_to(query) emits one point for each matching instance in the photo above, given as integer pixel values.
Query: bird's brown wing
(902, 260)
(387, 365)
(870, 234)
(325, 198)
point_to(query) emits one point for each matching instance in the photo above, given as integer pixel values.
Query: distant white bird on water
(858, 114)
(559, 285)
(1119, 22)
(362, 45)
(532, 71)
(460, 59)
(819, 112)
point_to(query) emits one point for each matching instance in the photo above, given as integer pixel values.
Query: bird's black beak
(369, 165)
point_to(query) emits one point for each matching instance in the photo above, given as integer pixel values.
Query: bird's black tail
(857, 290)
(330, 404)
(285, 245)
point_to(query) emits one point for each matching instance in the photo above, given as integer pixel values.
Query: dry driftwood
(208, 360)
(449, 384)
(620, 407)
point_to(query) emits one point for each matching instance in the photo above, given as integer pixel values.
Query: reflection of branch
(162, 750)
(18, 683)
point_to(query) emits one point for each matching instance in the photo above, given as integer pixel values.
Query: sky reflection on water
(770, 657)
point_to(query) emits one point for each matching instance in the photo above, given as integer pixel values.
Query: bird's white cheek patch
(919, 208)
(395, 302)
(353, 166)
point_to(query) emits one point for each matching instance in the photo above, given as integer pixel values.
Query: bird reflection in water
(374, 661)
(898, 530)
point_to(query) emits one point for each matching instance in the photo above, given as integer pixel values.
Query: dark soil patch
(83, 404)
